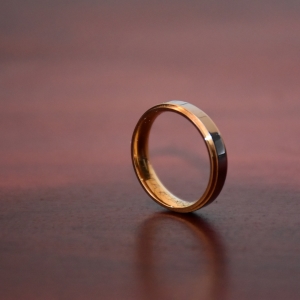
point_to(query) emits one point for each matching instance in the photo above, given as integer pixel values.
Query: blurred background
(75, 76)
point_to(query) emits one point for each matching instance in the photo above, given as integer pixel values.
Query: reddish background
(75, 78)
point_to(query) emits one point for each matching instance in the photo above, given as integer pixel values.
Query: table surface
(75, 78)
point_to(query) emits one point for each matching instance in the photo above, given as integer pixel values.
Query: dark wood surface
(75, 78)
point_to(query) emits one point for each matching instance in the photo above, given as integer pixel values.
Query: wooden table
(75, 78)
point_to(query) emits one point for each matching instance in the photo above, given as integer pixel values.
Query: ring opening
(179, 156)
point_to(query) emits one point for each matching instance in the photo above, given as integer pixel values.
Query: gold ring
(146, 173)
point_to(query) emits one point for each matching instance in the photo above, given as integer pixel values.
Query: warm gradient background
(75, 76)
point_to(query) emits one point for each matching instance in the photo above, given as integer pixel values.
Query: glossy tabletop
(74, 80)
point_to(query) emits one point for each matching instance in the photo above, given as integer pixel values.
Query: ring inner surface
(150, 179)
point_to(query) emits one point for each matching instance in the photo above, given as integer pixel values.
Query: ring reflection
(180, 257)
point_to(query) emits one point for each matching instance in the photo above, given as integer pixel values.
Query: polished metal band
(214, 144)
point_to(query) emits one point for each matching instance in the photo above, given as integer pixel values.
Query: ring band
(146, 173)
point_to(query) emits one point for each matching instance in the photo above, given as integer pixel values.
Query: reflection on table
(180, 255)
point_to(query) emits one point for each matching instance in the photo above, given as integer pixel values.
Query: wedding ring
(146, 173)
